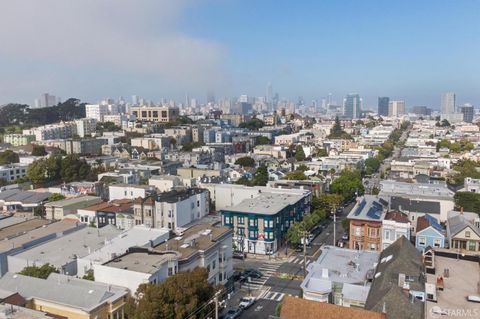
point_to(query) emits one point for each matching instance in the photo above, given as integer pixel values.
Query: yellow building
(155, 113)
(67, 296)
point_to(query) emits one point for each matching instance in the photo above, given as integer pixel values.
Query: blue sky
(412, 50)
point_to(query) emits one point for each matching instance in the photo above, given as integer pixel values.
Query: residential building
(429, 233)
(86, 127)
(172, 209)
(108, 213)
(18, 139)
(122, 191)
(22, 236)
(96, 111)
(352, 106)
(463, 231)
(383, 106)
(155, 113)
(14, 171)
(394, 225)
(365, 221)
(138, 236)
(63, 252)
(468, 112)
(294, 308)
(165, 183)
(57, 210)
(396, 108)
(340, 276)
(398, 287)
(207, 245)
(90, 146)
(260, 223)
(15, 201)
(56, 131)
(471, 185)
(448, 103)
(67, 297)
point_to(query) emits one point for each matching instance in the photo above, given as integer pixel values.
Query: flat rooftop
(343, 265)
(62, 250)
(395, 188)
(23, 197)
(196, 238)
(21, 228)
(9, 220)
(148, 263)
(266, 203)
(72, 201)
(462, 282)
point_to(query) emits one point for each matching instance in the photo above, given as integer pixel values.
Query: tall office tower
(243, 98)
(46, 100)
(467, 111)
(193, 103)
(210, 97)
(135, 99)
(275, 100)
(396, 108)
(187, 100)
(448, 103)
(352, 106)
(383, 105)
(329, 99)
(269, 93)
(36, 103)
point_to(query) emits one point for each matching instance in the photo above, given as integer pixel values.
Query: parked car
(339, 211)
(233, 313)
(252, 273)
(345, 236)
(246, 302)
(473, 298)
(239, 255)
(236, 275)
(299, 248)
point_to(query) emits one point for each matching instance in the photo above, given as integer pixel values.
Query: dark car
(299, 248)
(239, 255)
(233, 313)
(236, 275)
(252, 273)
(339, 211)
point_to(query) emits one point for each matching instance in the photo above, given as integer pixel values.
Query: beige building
(155, 113)
(18, 139)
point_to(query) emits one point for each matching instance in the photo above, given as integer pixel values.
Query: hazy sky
(408, 49)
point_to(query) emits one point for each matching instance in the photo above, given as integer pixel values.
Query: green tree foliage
(55, 168)
(322, 152)
(328, 202)
(349, 182)
(260, 178)
(8, 157)
(39, 150)
(455, 147)
(183, 295)
(39, 211)
(41, 272)
(468, 200)
(253, 124)
(337, 132)
(263, 140)
(89, 275)
(107, 127)
(302, 168)
(243, 181)
(299, 153)
(463, 169)
(372, 165)
(54, 197)
(296, 175)
(346, 225)
(21, 114)
(245, 161)
(296, 230)
(189, 146)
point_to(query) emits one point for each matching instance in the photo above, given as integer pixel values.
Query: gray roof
(370, 208)
(81, 294)
(418, 190)
(413, 205)
(457, 223)
(266, 203)
(401, 257)
(28, 197)
(143, 262)
(73, 201)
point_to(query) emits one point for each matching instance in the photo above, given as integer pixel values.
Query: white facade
(392, 230)
(448, 103)
(96, 111)
(165, 183)
(122, 191)
(396, 108)
(86, 126)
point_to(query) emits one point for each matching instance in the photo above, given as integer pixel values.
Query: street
(282, 277)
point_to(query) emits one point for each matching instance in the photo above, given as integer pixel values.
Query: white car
(246, 302)
(473, 298)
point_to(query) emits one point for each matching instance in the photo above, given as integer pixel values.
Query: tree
(54, 197)
(296, 175)
(337, 132)
(463, 169)
(302, 168)
(260, 178)
(263, 140)
(372, 165)
(243, 181)
(8, 157)
(245, 161)
(39, 211)
(183, 295)
(299, 153)
(346, 225)
(329, 201)
(39, 150)
(322, 152)
(89, 275)
(253, 124)
(347, 184)
(188, 146)
(468, 200)
(41, 272)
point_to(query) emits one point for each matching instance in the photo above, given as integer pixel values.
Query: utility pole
(216, 306)
(305, 253)
(334, 226)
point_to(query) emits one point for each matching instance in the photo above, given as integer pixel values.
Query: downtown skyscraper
(352, 106)
(383, 105)
(448, 103)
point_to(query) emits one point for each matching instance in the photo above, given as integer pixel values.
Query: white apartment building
(122, 191)
(86, 126)
(394, 225)
(396, 108)
(56, 131)
(18, 139)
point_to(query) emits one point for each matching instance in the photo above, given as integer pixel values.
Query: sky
(91, 49)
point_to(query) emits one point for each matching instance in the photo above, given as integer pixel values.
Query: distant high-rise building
(422, 110)
(243, 98)
(329, 99)
(210, 97)
(193, 103)
(45, 100)
(448, 103)
(467, 111)
(396, 108)
(269, 93)
(135, 99)
(383, 105)
(352, 106)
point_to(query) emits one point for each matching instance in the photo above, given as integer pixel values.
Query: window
(387, 235)
(241, 231)
(269, 223)
(252, 222)
(421, 240)
(472, 246)
(241, 220)
(467, 234)
(198, 203)
(214, 264)
(437, 243)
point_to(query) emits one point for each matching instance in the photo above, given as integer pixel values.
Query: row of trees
(455, 147)
(464, 168)
(260, 178)
(57, 168)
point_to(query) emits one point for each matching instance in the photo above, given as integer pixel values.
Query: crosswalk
(298, 260)
(271, 295)
(267, 269)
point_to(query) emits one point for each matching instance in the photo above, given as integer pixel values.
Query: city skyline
(172, 49)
